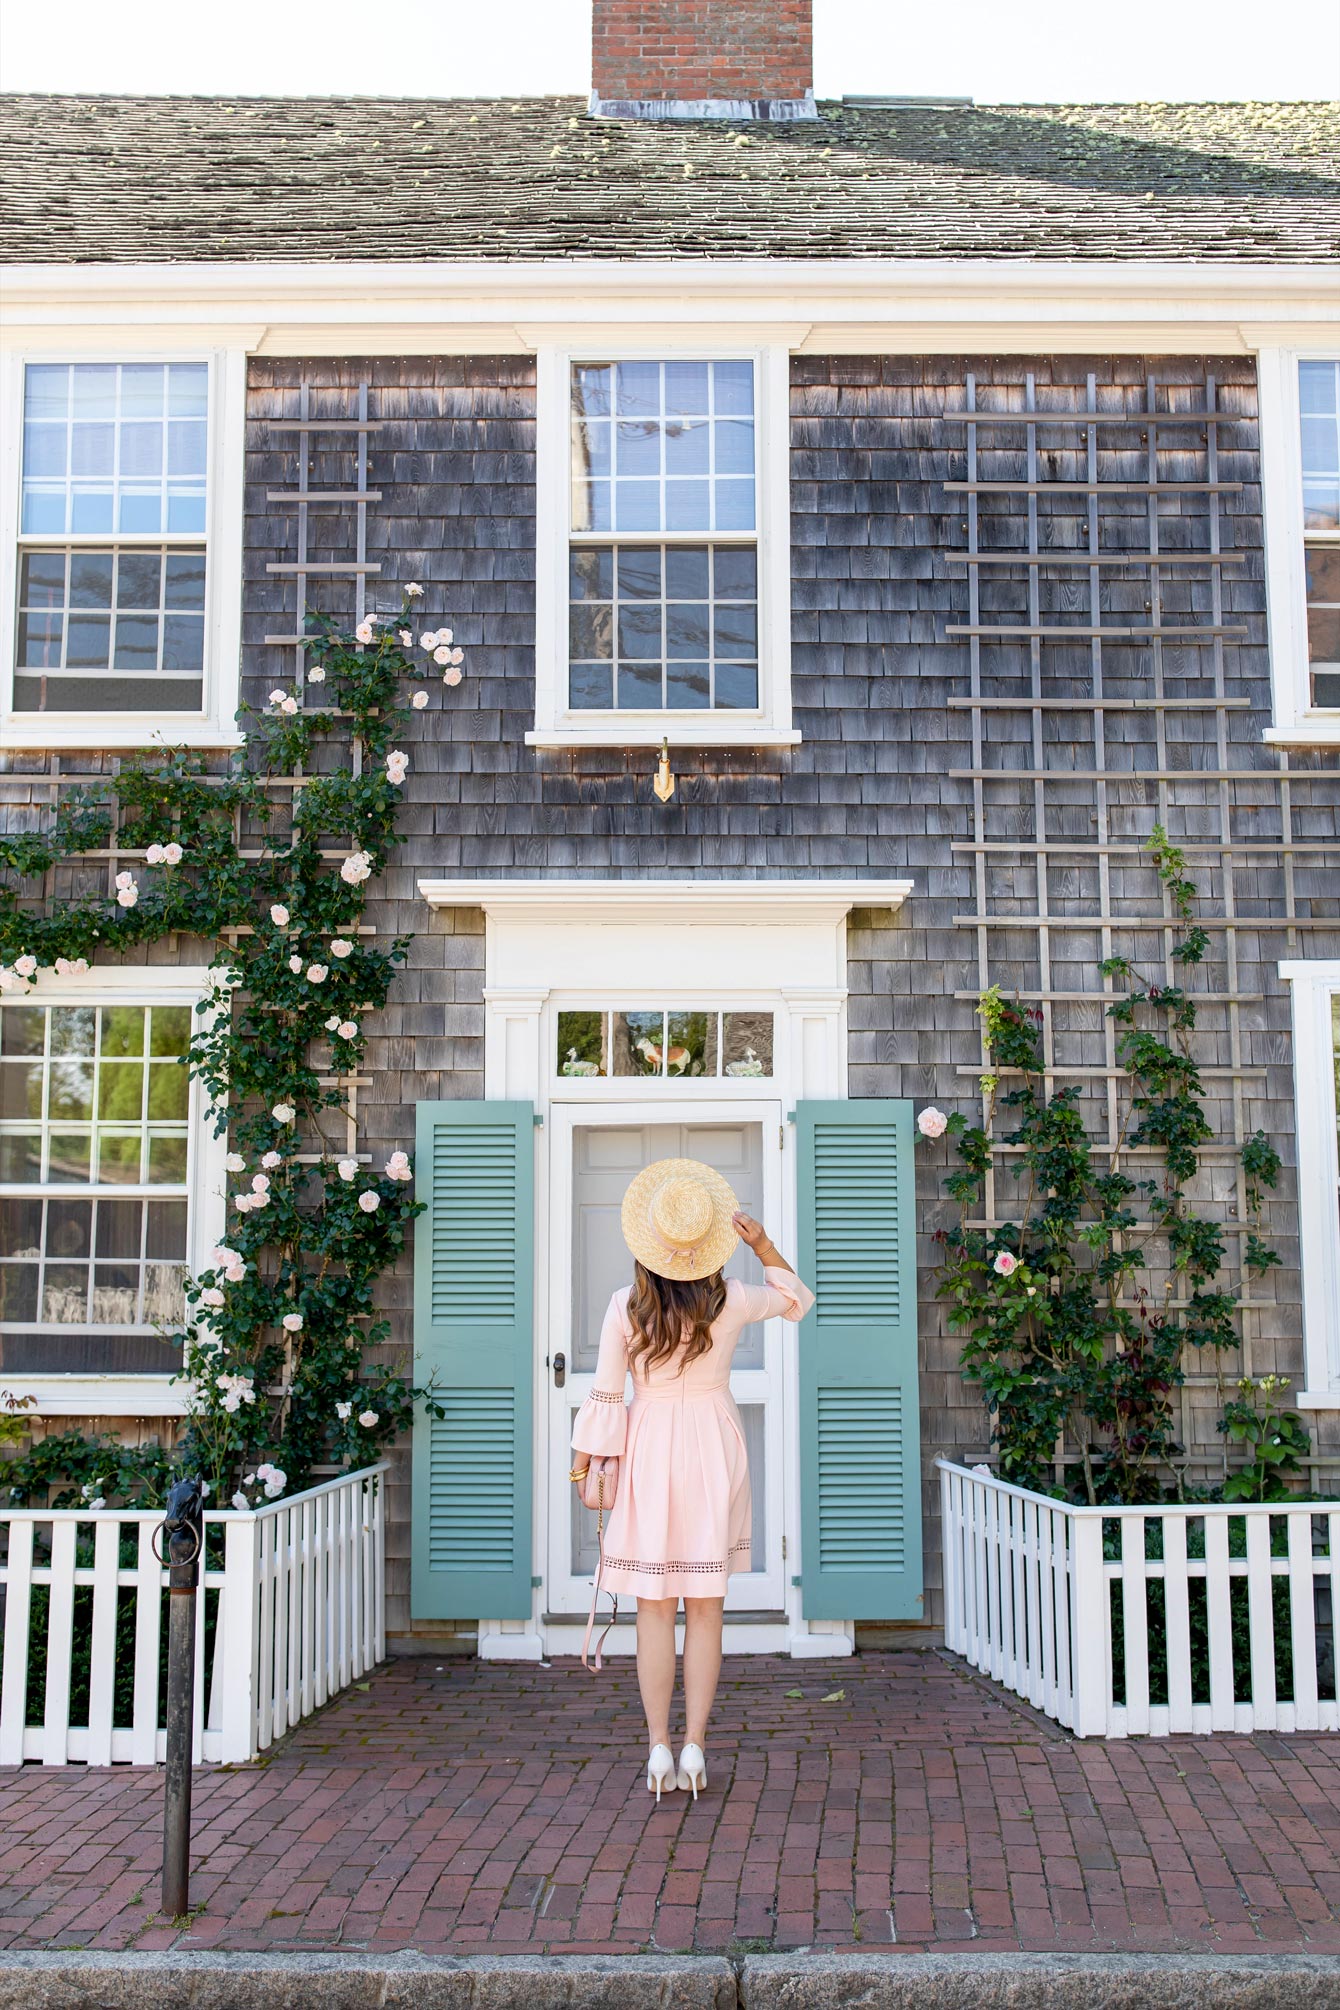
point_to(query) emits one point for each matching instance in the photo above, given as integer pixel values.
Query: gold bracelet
(579, 1473)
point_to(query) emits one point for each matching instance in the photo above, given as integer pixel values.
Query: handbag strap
(595, 1594)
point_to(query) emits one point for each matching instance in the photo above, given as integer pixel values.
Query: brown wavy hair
(668, 1313)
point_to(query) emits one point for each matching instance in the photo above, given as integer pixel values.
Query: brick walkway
(473, 1806)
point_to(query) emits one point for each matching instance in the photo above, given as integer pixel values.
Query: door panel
(604, 1161)
(597, 1159)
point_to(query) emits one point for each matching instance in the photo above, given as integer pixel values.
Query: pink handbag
(596, 1489)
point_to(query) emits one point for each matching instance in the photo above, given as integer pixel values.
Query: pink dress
(680, 1524)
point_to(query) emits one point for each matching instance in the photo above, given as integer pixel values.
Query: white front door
(596, 1151)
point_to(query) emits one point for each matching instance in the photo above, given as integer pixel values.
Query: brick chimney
(702, 59)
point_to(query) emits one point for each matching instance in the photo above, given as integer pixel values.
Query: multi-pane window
(663, 567)
(670, 1045)
(111, 609)
(1319, 401)
(94, 1196)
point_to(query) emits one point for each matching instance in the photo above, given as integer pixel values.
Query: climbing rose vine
(271, 872)
(1078, 1314)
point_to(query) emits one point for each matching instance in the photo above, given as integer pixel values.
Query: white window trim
(556, 725)
(1313, 985)
(147, 1395)
(215, 724)
(1297, 722)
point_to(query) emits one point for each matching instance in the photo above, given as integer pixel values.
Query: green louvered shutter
(473, 1330)
(860, 1426)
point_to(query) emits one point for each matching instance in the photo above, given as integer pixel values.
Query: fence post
(1090, 1626)
(239, 1622)
(183, 1529)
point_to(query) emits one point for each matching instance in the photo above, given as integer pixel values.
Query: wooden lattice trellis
(1022, 822)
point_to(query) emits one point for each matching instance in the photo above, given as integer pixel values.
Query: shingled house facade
(955, 491)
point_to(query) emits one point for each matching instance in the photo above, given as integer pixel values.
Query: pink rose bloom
(1005, 1265)
(932, 1123)
(419, 700)
(26, 965)
(172, 853)
(398, 1166)
(452, 677)
(279, 915)
(369, 1202)
(363, 632)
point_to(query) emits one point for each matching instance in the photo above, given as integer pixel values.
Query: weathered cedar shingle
(105, 179)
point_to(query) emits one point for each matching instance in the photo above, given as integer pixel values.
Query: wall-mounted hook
(663, 782)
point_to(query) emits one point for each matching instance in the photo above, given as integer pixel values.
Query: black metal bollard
(183, 1529)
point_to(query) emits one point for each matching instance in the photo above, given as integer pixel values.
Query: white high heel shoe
(661, 1771)
(692, 1769)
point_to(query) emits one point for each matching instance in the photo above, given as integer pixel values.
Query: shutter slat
(860, 1421)
(473, 1331)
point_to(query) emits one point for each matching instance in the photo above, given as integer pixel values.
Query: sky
(996, 51)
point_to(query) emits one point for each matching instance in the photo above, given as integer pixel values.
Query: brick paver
(895, 1799)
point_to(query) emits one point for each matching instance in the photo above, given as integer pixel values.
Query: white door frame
(758, 1591)
(780, 942)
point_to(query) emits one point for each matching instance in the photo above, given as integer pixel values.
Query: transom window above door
(664, 520)
(669, 1045)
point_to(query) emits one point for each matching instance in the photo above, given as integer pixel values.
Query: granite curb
(78, 1980)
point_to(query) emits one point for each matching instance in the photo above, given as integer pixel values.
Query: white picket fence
(1031, 1600)
(295, 1593)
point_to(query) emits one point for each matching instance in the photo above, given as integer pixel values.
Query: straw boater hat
(677, 1219)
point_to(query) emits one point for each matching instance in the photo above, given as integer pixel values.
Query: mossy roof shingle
(89, 179)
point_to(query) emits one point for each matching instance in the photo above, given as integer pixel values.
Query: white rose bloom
(369, 1201)
(283, 1113)
(348, 1168)
(339, 947)
(367, 1418)
(419, 700)
(295, 964)
(316, 675)
(442, 655)
(240, 1501)
(271, 1160)
(235, 1162)
(363, 632)
(172, 854)
(317, 973)
(414, 589)
(347, 1029)
(279, 915)
(343, 1411)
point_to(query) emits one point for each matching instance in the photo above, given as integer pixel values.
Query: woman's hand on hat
(754, 1233)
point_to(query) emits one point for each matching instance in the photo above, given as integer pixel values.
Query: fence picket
(60, 1643)
(17, 1578)
(102, 1639)
(1135, 1622)
(1303, 1623)
(1219, 1621)
(1261, 1623)
(1177, 1622)
(1063, 1564)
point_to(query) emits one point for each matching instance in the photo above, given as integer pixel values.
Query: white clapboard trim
(1031, 1600)
(298, 1589)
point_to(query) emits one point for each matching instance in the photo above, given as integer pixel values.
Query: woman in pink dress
(681, 1518)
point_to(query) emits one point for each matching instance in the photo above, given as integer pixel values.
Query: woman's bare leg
(656, 1664)
(702, 1664)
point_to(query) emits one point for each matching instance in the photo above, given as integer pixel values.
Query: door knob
(560, 1370)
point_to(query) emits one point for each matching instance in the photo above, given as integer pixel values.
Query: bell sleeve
(602, 1421)
(780, 1296)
